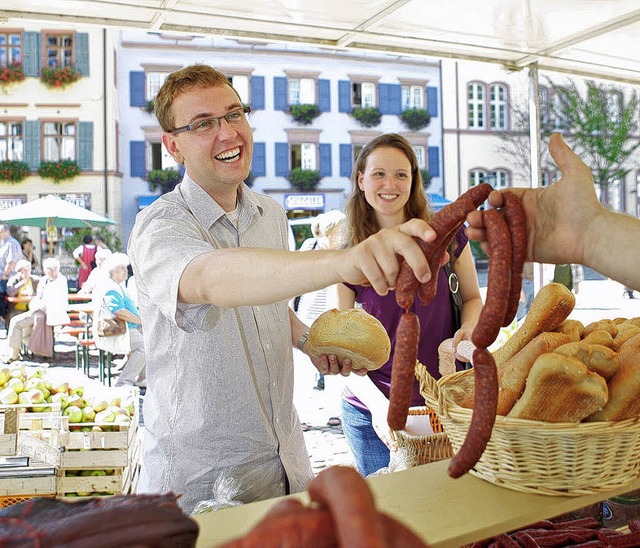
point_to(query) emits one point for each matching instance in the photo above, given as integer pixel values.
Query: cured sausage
(499, 280)
(403, 370)
(517, 223)
(484, 414)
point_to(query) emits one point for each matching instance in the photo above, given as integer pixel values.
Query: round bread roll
(353, 334)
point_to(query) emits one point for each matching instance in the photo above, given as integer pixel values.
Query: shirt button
(267, 346)
(277, 421)
(257, 309)
(273, 384)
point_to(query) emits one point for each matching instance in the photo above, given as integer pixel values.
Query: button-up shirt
(219, 400)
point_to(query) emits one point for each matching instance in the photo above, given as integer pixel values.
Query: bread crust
(353, 334)
(560, 389)
(598, 358)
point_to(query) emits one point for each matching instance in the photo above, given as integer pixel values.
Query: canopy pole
(534, 148)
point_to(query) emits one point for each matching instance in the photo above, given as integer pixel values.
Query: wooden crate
(28, 486)
(9, 432)
(91, 486)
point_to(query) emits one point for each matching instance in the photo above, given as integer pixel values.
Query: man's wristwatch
(302, 340)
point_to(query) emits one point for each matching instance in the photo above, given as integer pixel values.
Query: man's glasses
(209, 126)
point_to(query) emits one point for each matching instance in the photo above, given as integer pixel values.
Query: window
(59, 140)
(302, 91)
(412, 97)
(498, 106)
(615, 195)
(58, 50)
(559, 116)
(159, 158)
(544, 105)
(154, 83)
(363, 94)
(10, 48)
(614, 106)
(477, 177)
(475, 105)
(240, 82)
(11, 141)
(499, 179)
(304, 156)
(421, 156)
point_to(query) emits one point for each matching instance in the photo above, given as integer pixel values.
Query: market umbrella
(50, 212)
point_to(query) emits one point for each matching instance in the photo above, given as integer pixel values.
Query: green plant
(250, 179)
(11, 73)
(13, 171)
(59, 171)
(368, 117)
(164, 180)
(110, 238)
(150, 106)
(58, 77)
(304, 114)
(304, 179)
(477, 251)
(426, 178)
(415, 118)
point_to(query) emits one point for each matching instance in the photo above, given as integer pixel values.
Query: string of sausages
(506, 234)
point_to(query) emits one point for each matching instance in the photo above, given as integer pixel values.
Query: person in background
(97, 274)
(112, 298)
(101, 242)
(214, 275)
(46, 309)
(84, 255)
(10, 254)
(566, 223)
(22, 284)
(386, 191)
(29, 254)
(327, 229)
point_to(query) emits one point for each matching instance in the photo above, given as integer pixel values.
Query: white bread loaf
(549, 308)
(560, 389)
(598, 358)
(353, 334)
(624, 387)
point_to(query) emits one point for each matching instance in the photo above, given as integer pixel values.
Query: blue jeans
(369, 451)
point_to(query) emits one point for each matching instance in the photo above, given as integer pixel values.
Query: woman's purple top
(436, 325)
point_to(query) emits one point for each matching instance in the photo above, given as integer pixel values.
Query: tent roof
(597, 38)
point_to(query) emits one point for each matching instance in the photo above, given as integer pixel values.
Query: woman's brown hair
(361, 218)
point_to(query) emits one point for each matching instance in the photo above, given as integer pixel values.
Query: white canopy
(596, 38)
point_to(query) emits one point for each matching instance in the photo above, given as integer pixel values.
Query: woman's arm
(465, 269)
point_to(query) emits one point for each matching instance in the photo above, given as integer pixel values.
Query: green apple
(22, 397)
(5, 375)
(35, 382)
(60, 388)
(116, 401)
(73, 412)
(8, 396)
(74, 399)
(105, 416)
(100, 406)
(18, 373)
(88, 414)
(61, 398)
(122, 420)
(96, 428)
(130, 407)
(79, 390)
(35, 395)
(16, 384)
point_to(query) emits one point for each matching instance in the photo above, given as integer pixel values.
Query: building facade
(281, 82)
(59, 117)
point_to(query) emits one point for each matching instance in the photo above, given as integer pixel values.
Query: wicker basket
(541, 457)
(424, 449)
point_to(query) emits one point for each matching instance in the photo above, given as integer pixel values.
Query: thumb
(567, 161)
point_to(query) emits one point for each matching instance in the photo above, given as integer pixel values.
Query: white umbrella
(51, 212)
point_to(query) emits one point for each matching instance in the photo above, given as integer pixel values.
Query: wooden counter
(443, 511)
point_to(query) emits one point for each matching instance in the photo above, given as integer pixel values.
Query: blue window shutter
(324, 95)
(257, 92)
(280, 99)
(81, 41)
(137, 90)
(384, 98)
(31, 53)
(258, 162)
(138, 158)
(282, 159)
(32, 144)
(395, 99)
(432, 101)
(85, 146)
(346, 152)
(344, 96)
(434, 161)
(325, 159)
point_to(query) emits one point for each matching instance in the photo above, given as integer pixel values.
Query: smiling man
(214, 276)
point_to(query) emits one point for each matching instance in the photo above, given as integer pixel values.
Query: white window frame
(498, 101)
(302, 91)
(477, 176)
(308, 156)
(413, 96)
(368, 94)
(62, 144)
(500, 179)
(421, 156)
(11, 140)
(476, 117)
(154, 81)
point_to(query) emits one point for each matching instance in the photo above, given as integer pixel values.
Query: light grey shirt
(219, 400)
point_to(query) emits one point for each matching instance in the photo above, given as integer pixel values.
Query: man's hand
(329, 365)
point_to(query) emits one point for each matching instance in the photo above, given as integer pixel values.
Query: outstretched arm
(567, 224)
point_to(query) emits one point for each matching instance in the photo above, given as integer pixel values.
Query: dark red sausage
(517, 223)
(499, 280)
(345, 493)
(403, 367)
(484, 414)
(406, 286)
(479, 193)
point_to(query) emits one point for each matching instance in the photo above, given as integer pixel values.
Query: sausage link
(484, 414)
(479, 193)
(517, 223)
(406, 286)
(345, 493)
(499, 280)
(403, 367)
